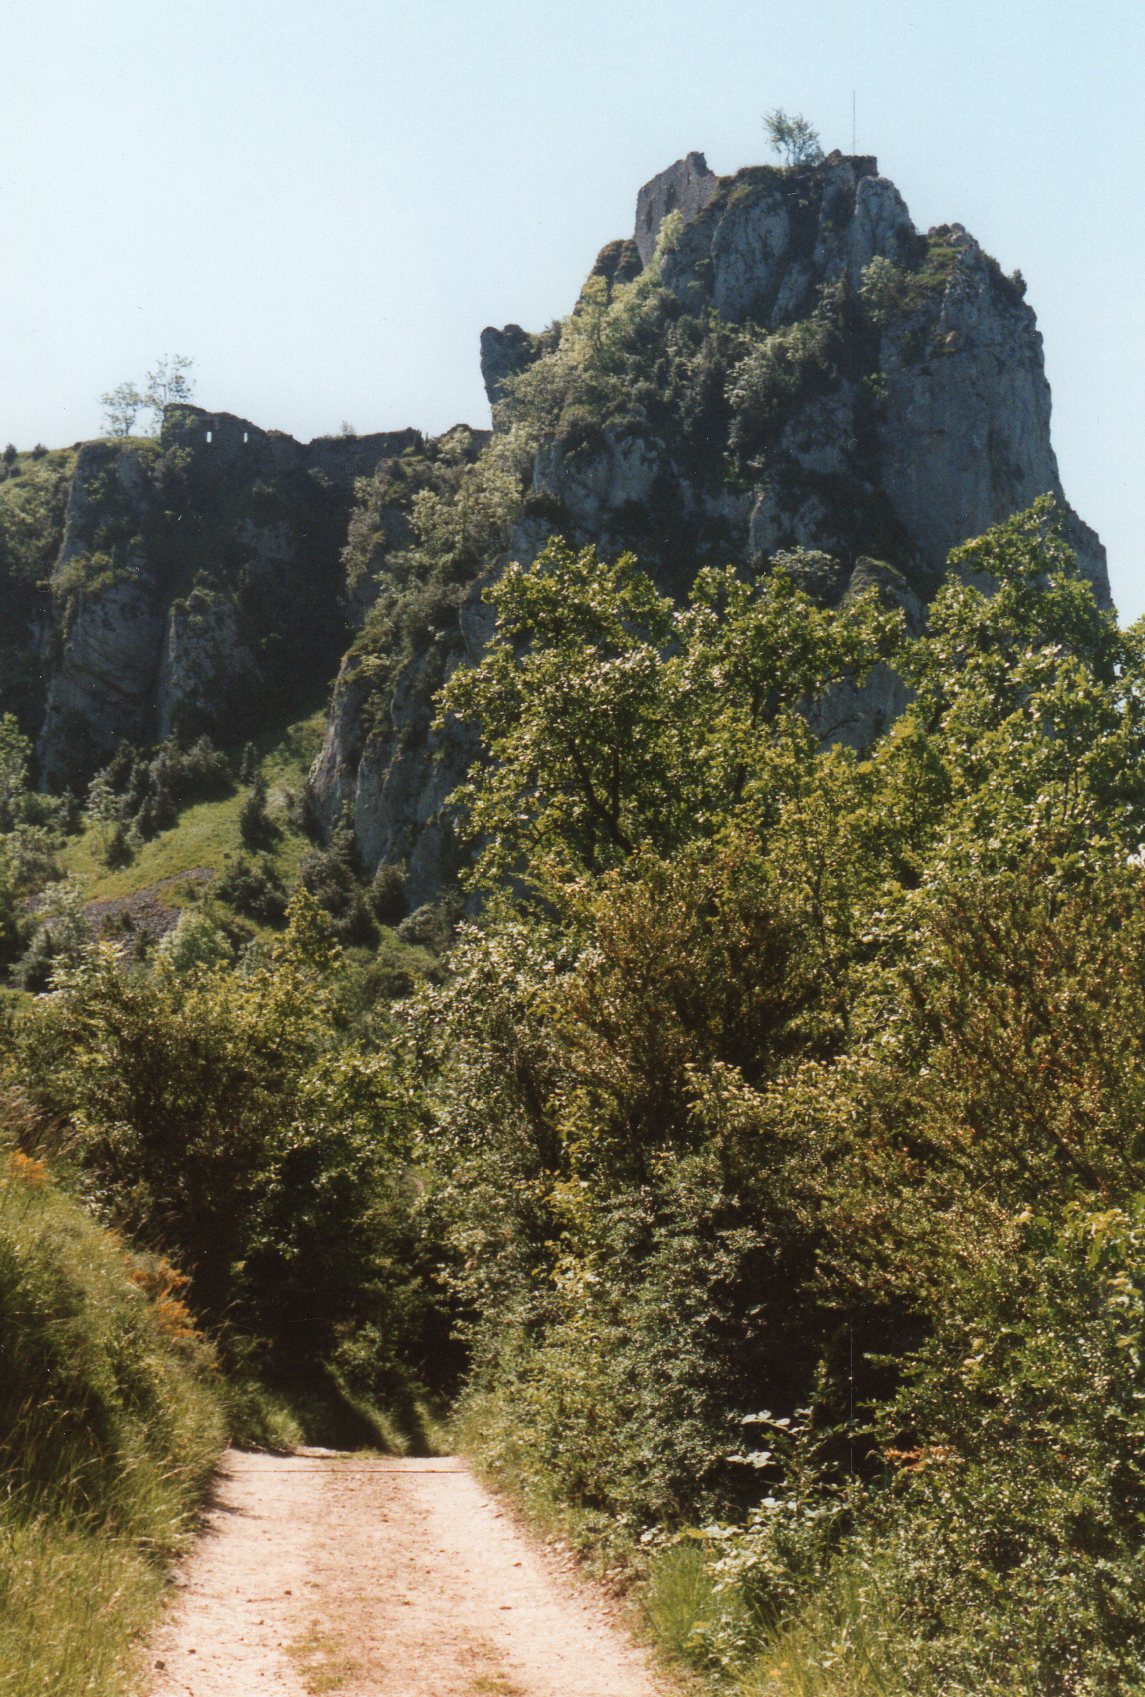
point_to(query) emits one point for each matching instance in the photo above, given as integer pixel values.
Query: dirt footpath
(329, 1572)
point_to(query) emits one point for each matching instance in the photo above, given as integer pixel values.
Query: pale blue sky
(323, 201)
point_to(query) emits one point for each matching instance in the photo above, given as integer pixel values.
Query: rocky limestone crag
(104, 690)
(757, 249)
(942, 431)
(884, 399)
(790, 365)
(205, 668)
(198, 585)
(503, 354)
(396, 777)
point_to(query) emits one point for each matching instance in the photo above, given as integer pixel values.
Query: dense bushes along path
(333, 1572)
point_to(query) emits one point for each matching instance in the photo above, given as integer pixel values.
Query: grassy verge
(709, 1632)
(111, 1420)
(324, 1410)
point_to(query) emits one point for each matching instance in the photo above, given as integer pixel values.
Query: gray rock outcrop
(876, 397)
(104, 688)
(205, 668)
(503, 354)
(198, 585)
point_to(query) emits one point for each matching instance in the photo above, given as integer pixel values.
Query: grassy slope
(110, 1422)
(207, 834)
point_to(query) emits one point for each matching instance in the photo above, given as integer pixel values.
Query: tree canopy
(169, 382)
(793, 137)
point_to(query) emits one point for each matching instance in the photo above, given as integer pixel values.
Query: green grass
(72, 1609)
(321, 1660)
(322, 1409)
(935, 271)
(111, 1419)
(207, 834)
(680, 1600)
(288, 757)
(842, 1644)
(58, 459)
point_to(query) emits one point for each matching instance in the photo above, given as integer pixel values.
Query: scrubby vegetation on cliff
(793, 370)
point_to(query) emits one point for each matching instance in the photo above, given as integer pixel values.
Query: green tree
(218, 1113)
(15, 755)
(256, 827)
(169, 383)
(793, 138)
(614, 720)
(803, 1057)
(121, 407)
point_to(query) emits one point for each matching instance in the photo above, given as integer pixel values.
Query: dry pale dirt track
(325, 1572)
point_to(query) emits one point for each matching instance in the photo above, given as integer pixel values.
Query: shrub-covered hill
(191, 853)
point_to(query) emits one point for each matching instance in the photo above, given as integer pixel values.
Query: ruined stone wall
(685, 187)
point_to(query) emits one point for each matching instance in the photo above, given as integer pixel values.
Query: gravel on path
(330, 1572)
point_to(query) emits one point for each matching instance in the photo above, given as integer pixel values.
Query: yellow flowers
(23, 1169)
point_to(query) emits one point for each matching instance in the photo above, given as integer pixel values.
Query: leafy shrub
(217, 1111)
(195, 940)
(882, 290)
(1012, 1541)
(256, 828)
(333, 877)
(387, 893)
(430, 926)
(780, 370)
(60, 934)
(118, 850)
(253, 888)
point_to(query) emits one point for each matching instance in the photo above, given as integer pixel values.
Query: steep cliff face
(34, 490)
(197, 585)
(777, 360)
(430, 526)
(883, 392)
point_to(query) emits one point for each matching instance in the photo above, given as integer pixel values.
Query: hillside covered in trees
(674, 1010)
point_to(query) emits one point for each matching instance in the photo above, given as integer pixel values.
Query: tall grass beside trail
(111, 1419)
(841, 1643)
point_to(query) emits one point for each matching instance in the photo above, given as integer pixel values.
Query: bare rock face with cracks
(773, 361)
